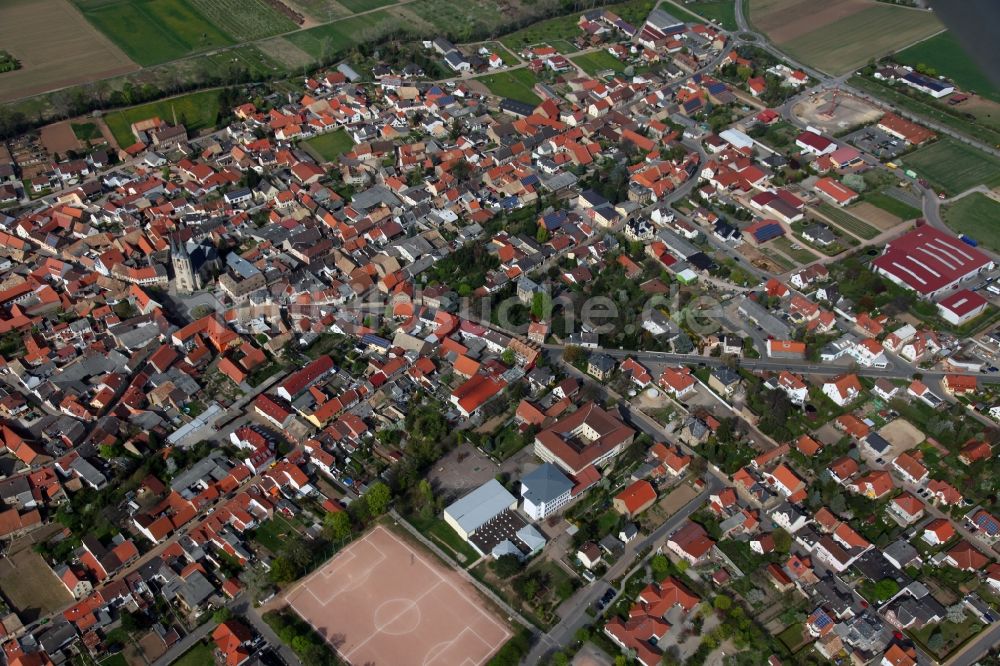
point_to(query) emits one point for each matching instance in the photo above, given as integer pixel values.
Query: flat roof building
(478, 508)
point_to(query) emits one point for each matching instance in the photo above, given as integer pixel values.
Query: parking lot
(881, 144)
(462, 470)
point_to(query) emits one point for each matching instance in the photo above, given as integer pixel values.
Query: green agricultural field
(327, 41)
(889, 204)
(461, 21)
(154, 31)
(954, 167)
(516, 84)
(847, 222)
(328, 147)
(565, 28)
(976, 215)
(945, 54)
(562, 28)
(197, 111)
(598, 61)
(723, 12)
(321, 10)
(249, 57)
(852, 41)
(357, 6)
(245, 20)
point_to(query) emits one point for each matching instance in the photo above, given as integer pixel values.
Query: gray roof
(725, 375)
(763, 318)
(902, 552)
(372, 197)
(676, 244)
(544, 484)
(662, 20)
(479, 506)
(531, 538)
(196, 589)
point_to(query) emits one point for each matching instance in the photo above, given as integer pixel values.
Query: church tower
(184, 278)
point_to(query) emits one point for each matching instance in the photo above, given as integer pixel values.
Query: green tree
(542, 235)
(508, 357)
(283, 570)
(425, 492)
(782, 540)
(379, 496)
(222, 614)
(541, 306)
(338, 526)
(506, 566)
(722, 602)
(573, 354)
(660, 565)
(885, 589)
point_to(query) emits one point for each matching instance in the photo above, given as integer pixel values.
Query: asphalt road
(895, 371)
(576, 618)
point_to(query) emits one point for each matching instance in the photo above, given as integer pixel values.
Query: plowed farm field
(56, 46)
(838, 36)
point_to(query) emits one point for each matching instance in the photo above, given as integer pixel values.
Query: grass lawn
(953, 634)
(780, 135)
(722, 12)
(115, 660)
(197, 111)
(801, 255)
(598, 61)
(86, 131)
(509, 59)
(607, 521)
(978, 216)
(151, 32)
(954, 167)
(792, 636)
(330, 146)
(515, 84)
(783, 263)
(272, 533)
(199, 655)
(945, 54)
(847, 222)
(447, 540)
(893, 205)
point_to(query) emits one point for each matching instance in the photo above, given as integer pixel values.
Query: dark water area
(976, 23)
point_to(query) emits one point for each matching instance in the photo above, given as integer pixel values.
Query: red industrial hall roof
(927, 259)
